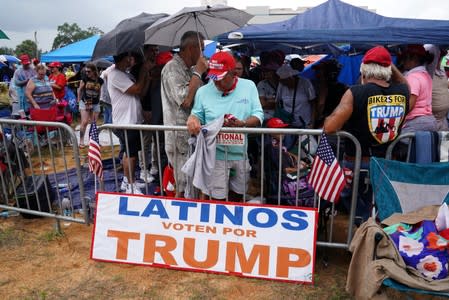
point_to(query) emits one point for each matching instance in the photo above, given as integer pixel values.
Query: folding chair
(401, 187)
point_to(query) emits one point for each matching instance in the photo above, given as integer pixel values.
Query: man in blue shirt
(238, 100)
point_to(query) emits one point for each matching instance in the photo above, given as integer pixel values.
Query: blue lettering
(272, 217)
(183, 208)
(205, 212)
(155, 207)
(123, 208)
(387, 112)
(295, 216)
(235, 218)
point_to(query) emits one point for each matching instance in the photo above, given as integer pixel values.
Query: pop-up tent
(337, 22)
(77, 52)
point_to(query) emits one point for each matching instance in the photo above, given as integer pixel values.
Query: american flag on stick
(94, 154)
(326, 176)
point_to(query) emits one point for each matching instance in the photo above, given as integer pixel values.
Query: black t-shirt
(377, 117)
(92, 90)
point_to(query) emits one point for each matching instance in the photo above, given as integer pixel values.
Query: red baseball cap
(25, 59)
(163, 57)
(55, 64)
(276, 123)
(219, 65)
(377, 55)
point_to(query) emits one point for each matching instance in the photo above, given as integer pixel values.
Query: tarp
(77, 52)
(338, 22)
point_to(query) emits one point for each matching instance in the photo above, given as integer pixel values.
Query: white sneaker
(133, 189)
(124, 185)
(146, 176)
(153, 170)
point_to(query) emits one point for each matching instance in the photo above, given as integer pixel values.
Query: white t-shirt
(126, 108)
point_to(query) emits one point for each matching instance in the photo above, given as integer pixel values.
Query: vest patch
(385, 114)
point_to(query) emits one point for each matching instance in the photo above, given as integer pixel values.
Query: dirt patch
(39, 263)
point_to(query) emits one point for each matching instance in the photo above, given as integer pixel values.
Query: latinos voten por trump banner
(270, 242)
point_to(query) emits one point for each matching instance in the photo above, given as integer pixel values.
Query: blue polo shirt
(243, 103)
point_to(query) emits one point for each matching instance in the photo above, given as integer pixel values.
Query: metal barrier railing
(41, 165)
(262, 134)
(408, 137)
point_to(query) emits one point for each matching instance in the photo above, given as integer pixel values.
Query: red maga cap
(276, 123)
(377, 55)
(219, 65)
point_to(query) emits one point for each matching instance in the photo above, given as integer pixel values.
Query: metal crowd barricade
(41, 173)
(262, 133)
(405, 137)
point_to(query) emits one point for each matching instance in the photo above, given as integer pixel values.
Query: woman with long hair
(89, 98)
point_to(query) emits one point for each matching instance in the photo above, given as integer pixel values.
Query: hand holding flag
(326, 176)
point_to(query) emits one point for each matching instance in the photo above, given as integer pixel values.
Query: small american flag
(94, 155)
(326, 176)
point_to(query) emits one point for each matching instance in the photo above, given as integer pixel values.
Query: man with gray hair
(373, 112)
(180, 79)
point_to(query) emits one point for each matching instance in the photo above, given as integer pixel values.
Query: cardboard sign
(269, 242)
(234, 139)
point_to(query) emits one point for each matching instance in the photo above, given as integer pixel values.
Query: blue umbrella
(9, 58)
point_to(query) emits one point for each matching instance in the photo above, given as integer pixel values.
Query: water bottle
(8, 213)
(66, 208)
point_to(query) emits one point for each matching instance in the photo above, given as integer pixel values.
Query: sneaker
(124, 184)
(153, 170)
(133, 189)
(146, 176)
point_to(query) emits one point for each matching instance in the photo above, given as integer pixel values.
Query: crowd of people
(184, 88)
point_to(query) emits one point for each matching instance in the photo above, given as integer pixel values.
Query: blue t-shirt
(243, 103)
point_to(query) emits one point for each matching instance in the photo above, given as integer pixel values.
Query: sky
(21, 19)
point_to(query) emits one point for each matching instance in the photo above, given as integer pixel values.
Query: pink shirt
(421, 86)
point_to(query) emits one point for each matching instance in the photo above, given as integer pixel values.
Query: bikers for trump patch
(385, 115)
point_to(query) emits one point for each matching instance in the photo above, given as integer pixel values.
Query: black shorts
(134, 144)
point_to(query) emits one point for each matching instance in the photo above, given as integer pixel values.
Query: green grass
(10, 238)
(50, 236)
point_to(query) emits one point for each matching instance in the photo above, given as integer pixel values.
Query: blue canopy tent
(80, 51)
(338, 22)
(318, 29)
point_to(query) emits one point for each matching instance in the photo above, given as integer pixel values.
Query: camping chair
(45, 135)
(401, 187)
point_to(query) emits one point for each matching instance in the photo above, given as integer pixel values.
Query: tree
(70, 33)
(27, 47)
(6, 50)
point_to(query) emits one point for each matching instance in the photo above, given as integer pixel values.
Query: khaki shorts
(238, 179)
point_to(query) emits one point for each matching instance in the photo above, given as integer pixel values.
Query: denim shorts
(95, 107)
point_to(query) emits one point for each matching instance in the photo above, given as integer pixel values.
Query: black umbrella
(128, 35)
(102, 63)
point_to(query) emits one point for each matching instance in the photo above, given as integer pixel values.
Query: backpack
(289, 182)
(70, 97)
